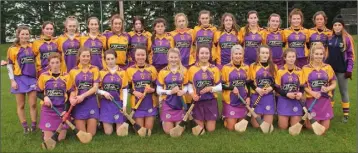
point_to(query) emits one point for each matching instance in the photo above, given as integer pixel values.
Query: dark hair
(203, 46)
(269, 61)
(110, 51)
(141, 47)
(138, 18)
(18, 30)
(201, 13)
(156, 21)
(234, 27)
(54, 55)
(45, 24)
(247, 25)
(91, 18)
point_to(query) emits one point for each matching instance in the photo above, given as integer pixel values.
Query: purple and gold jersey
(97, 46)
(183, 40)
(136, 39)
(251, 42)
(289, 81)
(23, 60)
(261, 75)
(236, 77)
(84, 80)
(119, 43)
(113, 83)
(224, 42)
(275, 40)
(69, 49)
(55, 87)
(168, 80)
(201, 79)
(316, 36)
(316, 78)
(297, 40)
(203, 35)
(159, 49)
(42, 49)
(139, 78)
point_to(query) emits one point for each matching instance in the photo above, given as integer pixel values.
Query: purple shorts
(49, 120)
(168, 114)
(25, 84)
(229, 111)
(109, 112)
(288, 107)
(146, 113)
(206, 110)
(266, 105)
(87, 109)
(300, 62)
(322, 110)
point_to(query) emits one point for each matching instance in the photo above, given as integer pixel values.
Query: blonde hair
(316, 46)
(117, 16)
(18, 31)
(181, 67)
(177, 16)
(71, 18)
(237, 47)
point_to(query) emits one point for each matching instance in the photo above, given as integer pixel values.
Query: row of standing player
(69, 46)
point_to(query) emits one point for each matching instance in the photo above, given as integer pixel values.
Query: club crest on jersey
(27, 60)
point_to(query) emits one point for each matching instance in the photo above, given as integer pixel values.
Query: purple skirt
(25, 84)
(288, 107)
(229, 111)
(170, 115)
(206, 110)
(87, 109)
(49, 120)
(266, 105)
(146, 113)
(322, 110)
(109, 112)
(300, 62)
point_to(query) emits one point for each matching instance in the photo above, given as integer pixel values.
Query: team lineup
(177, 76)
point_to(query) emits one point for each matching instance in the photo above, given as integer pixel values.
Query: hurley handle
(188, 112)
(125, 114)
(311, 106)
(140, 100)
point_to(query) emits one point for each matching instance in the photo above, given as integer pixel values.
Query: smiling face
(93, 25)
(204, 54)
(318, 55)
(264, 54)
(228, 22)
(48, 30)
(337, 27)
(173, 58)
(140, 56)
(85, 57)
(117, 25)
(204, 19)
(71, 26)
(296, 20)
(274, 22)
(24, 36)
(237, 55)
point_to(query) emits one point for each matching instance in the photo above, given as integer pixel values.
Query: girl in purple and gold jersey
(85, 79)
(250, 37)
(22, 73)
(273, 37)
(235, 78)
(160, 43)
(296, 36)
(320, 32)
(320, 80)
(204, 81)
(140, 75)
(262, 76)
(138, 37)
(183, 39)
(114, 83)
(226, 37)
(289, 83)
(171, 85)
(95, 42)
(204, 34)
(53, 86)
(69, 43)
(118, 40)
(44, 46)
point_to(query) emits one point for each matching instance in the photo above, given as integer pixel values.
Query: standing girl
(250, 37)
(160, 43)
(22, 73)
(273, 37)
(235, 77)
(320, 80)
(320, 32)
(172, 85)
(69, 43)
(204, 82)
(95, 42)
(296, 36)
(225, 38)
(85, 79)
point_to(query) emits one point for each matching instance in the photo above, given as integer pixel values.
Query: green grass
(339, 138)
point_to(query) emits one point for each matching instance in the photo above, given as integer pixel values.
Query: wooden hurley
(241, 125)
(179, 128)
(139, 102)
(265, 127)
(84, 137)
(142, 132)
